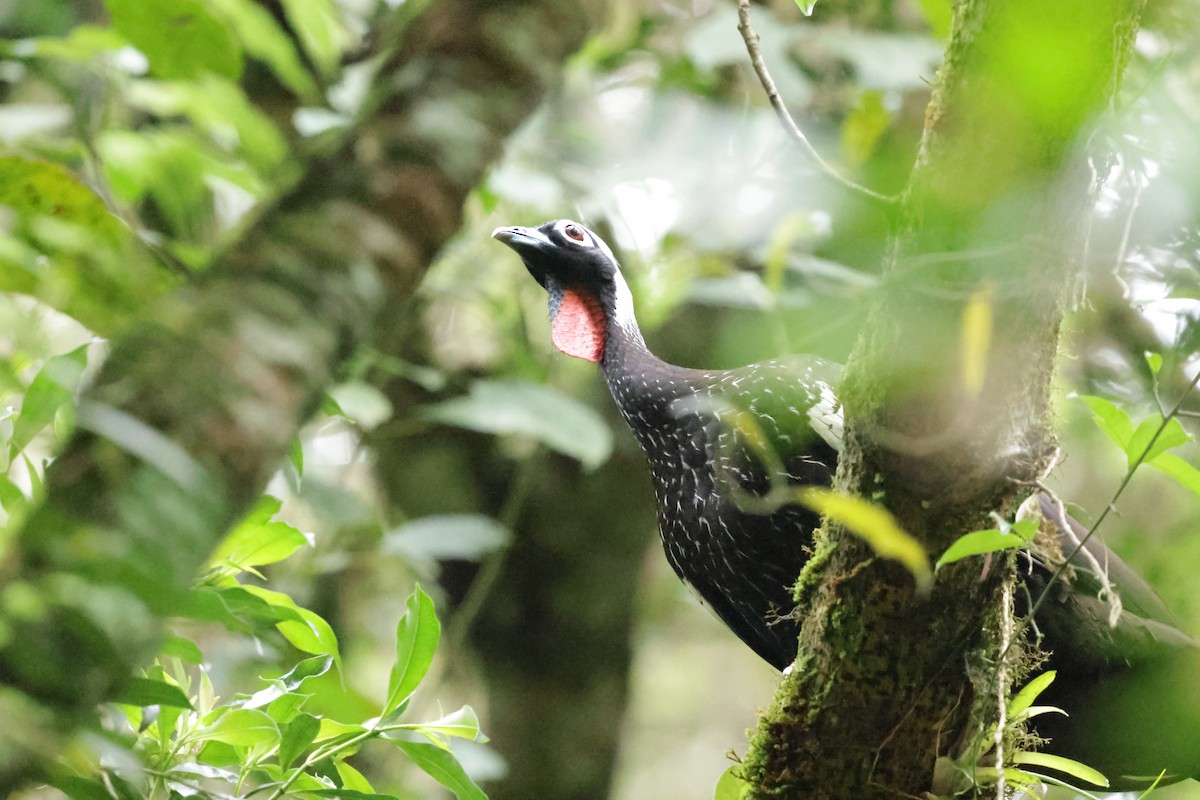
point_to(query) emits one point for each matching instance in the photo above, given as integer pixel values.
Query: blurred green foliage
(139, 136)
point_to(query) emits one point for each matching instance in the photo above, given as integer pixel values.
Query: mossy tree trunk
(197, 406)
(947, 403)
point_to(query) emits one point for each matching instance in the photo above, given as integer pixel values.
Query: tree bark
(947, 404)
(197, 405)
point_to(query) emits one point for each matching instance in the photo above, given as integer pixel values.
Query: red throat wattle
(579, 326)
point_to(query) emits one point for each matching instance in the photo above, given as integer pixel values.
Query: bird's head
(580, 274)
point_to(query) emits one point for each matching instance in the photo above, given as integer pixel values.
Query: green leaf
(874, 525)
(51, 390)
(992, 540)
(350, 794)
(467, 537)
(1112, 420)
(319, 26)
(461, 724)
(1172, 435)
(1030, 692)
(730, 785)
(265, 40)
(291, 682)
(806, 6)
(297, 736)
(257, 540)
(353, 780)
(1065, 765)
(443, 767)
(310, 633)
(240, 727)
(178, 647)
(1180, 470)
(181, 38)
(1154, 361)
(362, 404)
(558, 421)
(147, 692)
(416, 641)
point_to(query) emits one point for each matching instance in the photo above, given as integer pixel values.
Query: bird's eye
(574, 233)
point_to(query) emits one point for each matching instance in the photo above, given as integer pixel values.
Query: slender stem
(764, 76)
(1112, 503)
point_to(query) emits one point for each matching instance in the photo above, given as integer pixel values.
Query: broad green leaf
(310, 633)
(291, 682)
(181, 38)
(1030, 692)
(1172, 435)
(218, 107)
(297, 736)
(362, 403)
(416, 641)
(1180, 470)
(319, 26)
(353, 780)
(1065, 765)
(265, 40)
(147, 692)
(332, 729)
(178, 647)
(558, 421)
(874, 525)
(989, 541)
(50, 390)
(240, 727)
(236, 607)
(443, 767)
(78, 788)
(448, 536)
(461, 724)
(1112, 420)
(257, 540)
(730, 785)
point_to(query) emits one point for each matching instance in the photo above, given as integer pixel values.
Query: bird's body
(718, 442)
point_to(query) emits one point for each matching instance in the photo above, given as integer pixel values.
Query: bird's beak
(529, 243)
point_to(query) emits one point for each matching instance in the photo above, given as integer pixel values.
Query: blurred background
(466, 453)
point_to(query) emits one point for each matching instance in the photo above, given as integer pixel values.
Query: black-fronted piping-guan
(1132, 690)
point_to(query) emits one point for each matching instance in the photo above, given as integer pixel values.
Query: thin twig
(789, 124)
(1116, 495)
(1006, 633)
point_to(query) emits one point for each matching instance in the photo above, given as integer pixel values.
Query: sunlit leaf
(976, 340)
(730, 785)
(240, 727)
(1172, 435)
(362, 403)
(558, 421)
(1180, 470)
(178, 647)
(443, 767)
(876, 526)
(1065, 765)
(353, 780)
(417, 637)
(988, 541)
(147, 692)
(1154, 361)
(1112, 420)
(181, 38)
(1030, 692)
(265, 40)
(50, 390)
(448, 536)
(257, 540)
(297, 736)
(319, 26)
(461, 724)
(309, 633)
(806, 6)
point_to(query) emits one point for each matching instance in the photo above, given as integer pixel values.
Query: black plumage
(719, 442)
